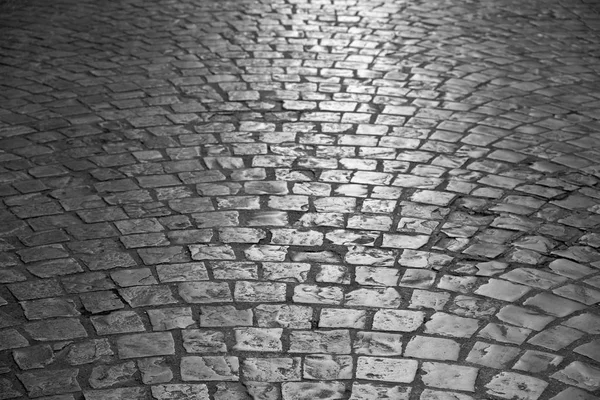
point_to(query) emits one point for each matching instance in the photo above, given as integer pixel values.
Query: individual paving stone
(449, 376)
(50, 382)
(296, 237)
(424, 259)
(144, 225)
(327, 367)
(404, 241)
(320, 341)
(488, 250)
(276, 369)
(192, 271)
(263, 390)
(212, 252)
(463, 284)
(133, 277)
(467, 306)
(524, 317)
(48, 308)
(203, 341)
(537, 361)
(427, 299)
(417, 225)
(366, 391)
(376, 276)
(266, 253)
(241, 235)
(52, 268)
(427, 347)
(163, 255)
(34, 357)
(491, 355)
(98, 302)
(524, 256)
(502, 290)
(317, 294)
(144, 240)
(510, 385)
(209, 368)
(305, 390)
(216, 219)
(145, 345)
(579, 293)
(386, 369)
(259, 292)
(398, 320)
(533, 277)
(417, 278)
(292, 202)
(258, 339)
(36, 289)
(556, 338)
(377, 344)
(287, 272)
(504, 333)
(171, 318)
(586, 322)
(188, 206)
(205, 292)
(347, 237)
(283, 316)
(89, 351)
(429, 394)
(188, 236)
(370, 256)
(451, 325)
(56, 329)
(342, 318)
(582, 254)
(554, 305)
(370, 222)
(180, 391)
(570, 268)
(373, 297)
(103, 376)
(221, 316)
(432, 197)
(140, 296)
(87, 282)
(230, 390)
(133, 393)
(335, 204)
(333, 274)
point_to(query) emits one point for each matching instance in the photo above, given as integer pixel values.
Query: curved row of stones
(298, 200)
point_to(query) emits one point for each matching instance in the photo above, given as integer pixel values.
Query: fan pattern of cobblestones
(299, 199)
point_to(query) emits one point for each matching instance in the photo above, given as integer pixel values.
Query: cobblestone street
(300, 199)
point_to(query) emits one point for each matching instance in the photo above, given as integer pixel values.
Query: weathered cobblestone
(299, 199)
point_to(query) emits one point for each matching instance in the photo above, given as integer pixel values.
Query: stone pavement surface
(299, 199)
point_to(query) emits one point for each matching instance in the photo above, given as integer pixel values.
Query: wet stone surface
(299, 199)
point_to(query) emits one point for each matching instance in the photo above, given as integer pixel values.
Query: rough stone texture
(299, 199)
(209, 368)
(509, 385)
(386, 369)
(49, 382)
(145, 344)
(449, 376)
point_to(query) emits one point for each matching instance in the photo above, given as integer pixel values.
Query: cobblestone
(299, 199)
